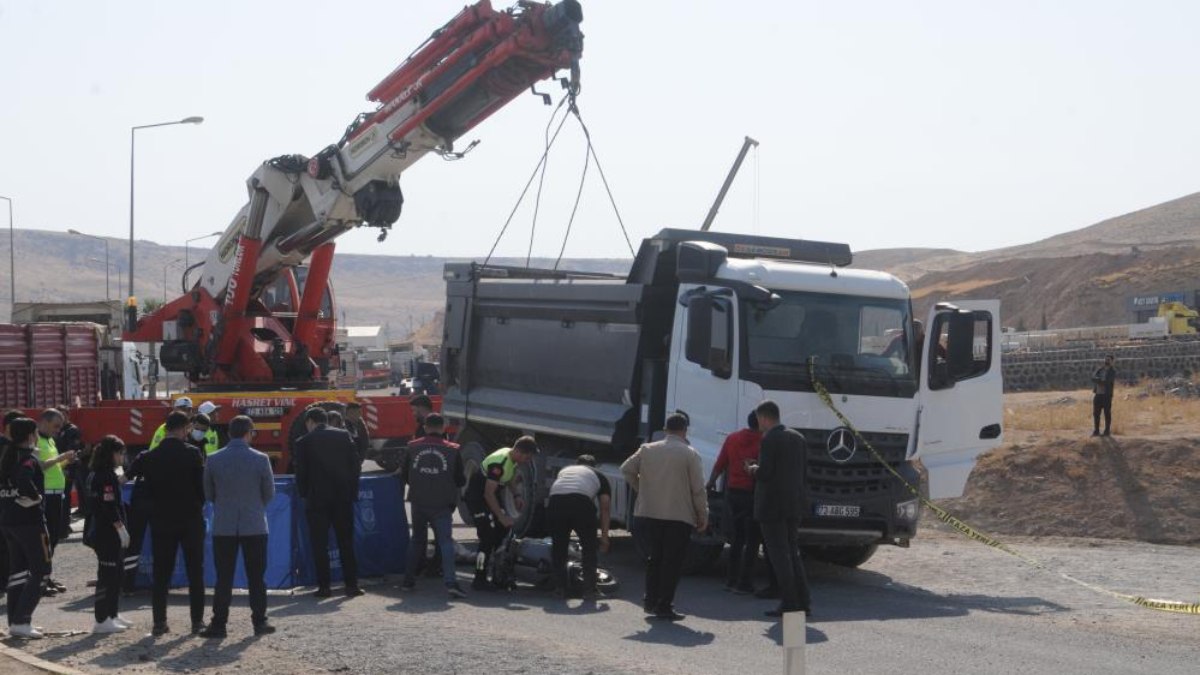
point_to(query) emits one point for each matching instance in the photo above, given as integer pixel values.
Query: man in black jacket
(327, 472)
(173, 475)
(1103, 381)
(433, 471)
(778, 505)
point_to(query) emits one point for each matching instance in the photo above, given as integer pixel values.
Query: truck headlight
(908, 510)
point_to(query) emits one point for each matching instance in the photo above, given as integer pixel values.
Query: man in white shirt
(573, 498)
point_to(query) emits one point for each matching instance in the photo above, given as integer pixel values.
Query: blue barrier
(381, 534)
(381, 537)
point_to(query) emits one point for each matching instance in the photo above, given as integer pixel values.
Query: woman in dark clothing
(105, 532)
(24, 526)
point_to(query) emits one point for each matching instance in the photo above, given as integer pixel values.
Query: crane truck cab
(711, 324)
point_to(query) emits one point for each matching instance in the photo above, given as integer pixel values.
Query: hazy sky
(953, 124)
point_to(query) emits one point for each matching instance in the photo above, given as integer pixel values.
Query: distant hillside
(908, 263)
(1170, 224)
(1082, 290)
(1077, 278)
(401, 292)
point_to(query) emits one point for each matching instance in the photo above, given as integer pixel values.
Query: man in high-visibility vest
(203, 435)
(54, 481)
(184, 405)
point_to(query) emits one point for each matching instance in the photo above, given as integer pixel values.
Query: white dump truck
(711, 324)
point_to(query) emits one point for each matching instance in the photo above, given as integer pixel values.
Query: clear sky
(940, 123)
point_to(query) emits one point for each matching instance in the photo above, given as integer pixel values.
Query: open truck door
(961, 392)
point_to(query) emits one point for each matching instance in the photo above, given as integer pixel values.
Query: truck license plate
(267, 411)
(839, 510)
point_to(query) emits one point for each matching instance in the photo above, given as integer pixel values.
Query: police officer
(433, 471)
(202, 434)
(55, 484)
(24, 527)
(491, 522)
(212, 441)
(183, 404)
(573, 498)
(105, 532)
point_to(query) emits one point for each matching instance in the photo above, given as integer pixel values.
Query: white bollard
(794, 638)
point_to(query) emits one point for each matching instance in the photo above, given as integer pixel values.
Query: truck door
(961, 395)
(704, 360)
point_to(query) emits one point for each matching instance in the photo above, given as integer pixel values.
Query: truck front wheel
(845, 556)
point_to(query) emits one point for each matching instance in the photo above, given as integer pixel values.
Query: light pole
(165, 267)
(107, 292)
(113, 266)
(12, 261)
(186, 259)
(132, 143)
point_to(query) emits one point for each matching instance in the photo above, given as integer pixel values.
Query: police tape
(988, 540)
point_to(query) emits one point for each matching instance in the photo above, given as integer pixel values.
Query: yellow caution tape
(988, 540)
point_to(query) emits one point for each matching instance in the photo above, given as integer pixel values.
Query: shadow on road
(812, 636)
(676, 634)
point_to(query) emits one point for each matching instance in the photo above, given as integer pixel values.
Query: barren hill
(1170, 224)
(1080, 290)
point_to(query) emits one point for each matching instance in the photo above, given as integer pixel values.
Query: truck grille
(861, 474)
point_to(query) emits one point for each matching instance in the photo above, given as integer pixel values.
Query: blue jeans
(442, 523)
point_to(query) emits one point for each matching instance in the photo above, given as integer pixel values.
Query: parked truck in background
(711, 324)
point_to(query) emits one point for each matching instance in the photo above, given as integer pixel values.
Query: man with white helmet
(204, 432)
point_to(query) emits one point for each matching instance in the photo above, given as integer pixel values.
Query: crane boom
(224, 330)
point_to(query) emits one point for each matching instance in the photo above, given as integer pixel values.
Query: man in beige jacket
(670, 503)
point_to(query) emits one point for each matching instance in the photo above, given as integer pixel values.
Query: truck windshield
(861, 345)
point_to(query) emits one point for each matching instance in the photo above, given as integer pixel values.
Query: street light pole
(132, 155)
(165, 267)
(186, 260)
(107, 292)
(114, 266)
(12, 261)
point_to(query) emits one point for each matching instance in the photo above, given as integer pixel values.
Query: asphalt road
(946, 605)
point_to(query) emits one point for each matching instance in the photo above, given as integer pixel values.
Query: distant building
(361, 338)
(1143, 307)
(105, 313)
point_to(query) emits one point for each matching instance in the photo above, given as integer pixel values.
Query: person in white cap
(208, 439)
(183, 404)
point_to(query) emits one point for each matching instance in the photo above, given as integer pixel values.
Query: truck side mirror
(709, 341)
(720, 349)
(699, 329)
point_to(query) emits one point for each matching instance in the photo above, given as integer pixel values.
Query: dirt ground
(1052, 478)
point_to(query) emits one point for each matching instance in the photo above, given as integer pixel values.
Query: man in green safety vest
(203, 435)
(491, 522)
(183, 404)
(212, 442)
(55, 483)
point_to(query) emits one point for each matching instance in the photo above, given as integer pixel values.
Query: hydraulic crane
(256, 317)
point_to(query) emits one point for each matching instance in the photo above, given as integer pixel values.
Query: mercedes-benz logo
(841, 445)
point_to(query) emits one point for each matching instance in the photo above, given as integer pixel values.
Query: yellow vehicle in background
(1180, 319)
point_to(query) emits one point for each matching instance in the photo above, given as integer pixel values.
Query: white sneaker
(122, 621)
(25, 631)
(108, 626)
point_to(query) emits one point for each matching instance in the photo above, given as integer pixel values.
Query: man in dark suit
(174, 480)
(778, 505)
(327, 472)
